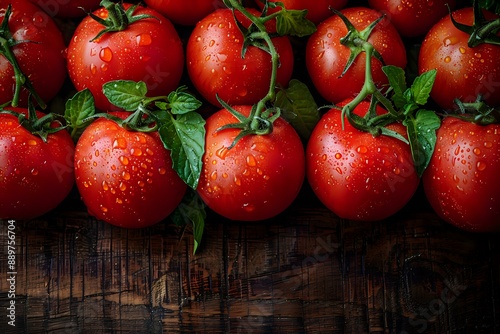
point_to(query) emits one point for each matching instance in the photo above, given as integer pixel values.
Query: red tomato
(215, 65)
(256, 179)
(356, 175)
(317, 10)
(462, 72)
(67, 8)
(413, 18)
(187, 12)
(462, 179)
(326, 57)
(126, 178)
(149, 50)
(35, 176)
(40, 56)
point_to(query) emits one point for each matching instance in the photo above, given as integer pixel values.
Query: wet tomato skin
(256, 179)
(30, 169)
(462, 72)
(215, 65)
(358, 176)
(186, 12)
(125, 178)
(41, 56)
(148, 50)
(462, 180)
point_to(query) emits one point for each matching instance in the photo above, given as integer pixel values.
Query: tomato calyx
(477, 112)
(482, 30)
(7, 42)
(38, 126)
(118, 18)
(288, 22)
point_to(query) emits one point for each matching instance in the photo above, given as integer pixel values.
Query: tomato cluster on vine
(161, 109)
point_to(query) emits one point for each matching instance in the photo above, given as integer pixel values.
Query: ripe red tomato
(326, 57)
(462, 72)
(41, 56)
(356, 175)
(256, 179)
(462, 179)
(317, 10)
(215, 65)
(126, 178)
(35, 176)
(67, 8)
(149, 50)
(187, 12)
(413, 18)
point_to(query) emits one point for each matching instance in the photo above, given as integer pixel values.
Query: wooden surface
(304, 272)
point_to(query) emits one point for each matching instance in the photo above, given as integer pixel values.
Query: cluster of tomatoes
(250, 164)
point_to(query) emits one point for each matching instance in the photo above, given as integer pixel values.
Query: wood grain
(306, 271)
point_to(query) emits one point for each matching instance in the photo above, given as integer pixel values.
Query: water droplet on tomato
(222, 152)
(243, 92)
(251, 160)
(124, 160)
(488, 144)
(93, 69)
(248, 207)
(477, 151)
(450, 40)
(362, 149)
(104, 209)
(126, 176)
(457, 150)
(104, 67)
(120, 143)
(447, 59)
(105, 186)
(162, 170)
(480, 166)
(136, 151)
(338, 155)
(122, 186)
(143, 39)
(339, 170)
(462, 50)
(32, 142)
(211, 43)
(213, 176)
(34, 172)
(106, 54)
(119, 201)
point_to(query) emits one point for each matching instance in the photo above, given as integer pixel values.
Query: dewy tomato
(185, 12)
(148, 50)
(356, 175)
(256, 179)
(216, 67)
(126, 178)
(39, 52)
(326, 57)
(317, 10)
(462, 72)
(462, 180)
(35, 176)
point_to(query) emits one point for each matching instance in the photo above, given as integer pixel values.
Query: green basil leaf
(79, 108)
(191, 211)
(184, 136)
(182, 102)
(397, 80)
(298, 107)
(294, 22)
(422, 136)
(125, 94)
(422, 86)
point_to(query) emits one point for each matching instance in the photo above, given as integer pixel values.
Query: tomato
(256, 179)
(317, 10)
(326, 57)
(125, 178)
(462, 179)
(462, 72)
(215, 65)
(40, 52)
(35, 176)
(413, 18)
(149, 50)
(358, 176)
(67, 8)
(185, 12)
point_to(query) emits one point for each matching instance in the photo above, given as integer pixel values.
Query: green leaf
(182, 102)
(298, 107)
(397, 81)
(191, 211)
(184, 136)
(422, 86)
(294, 22)
(422, 136)
(125, 94)
(79, 108)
